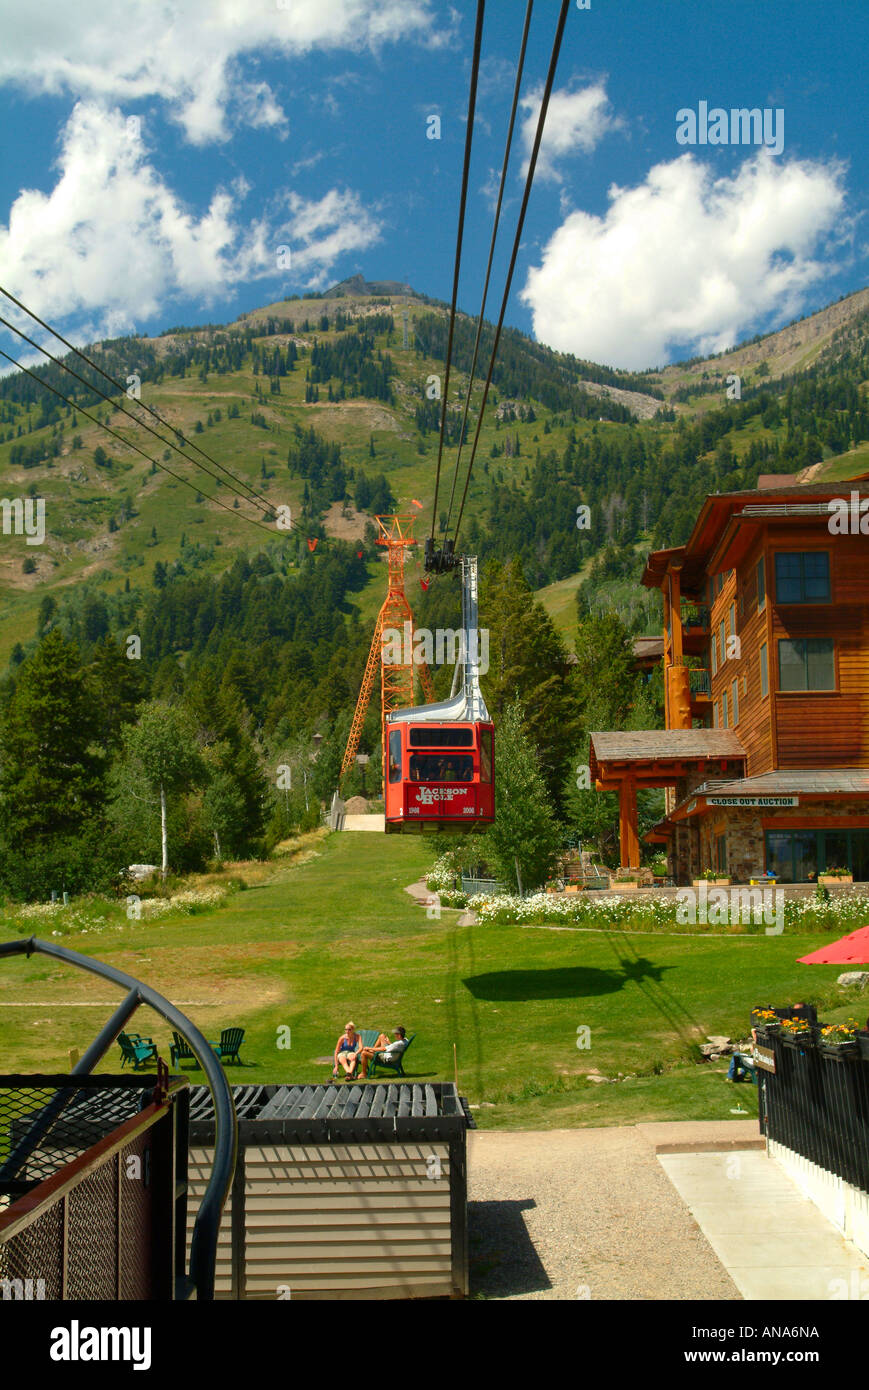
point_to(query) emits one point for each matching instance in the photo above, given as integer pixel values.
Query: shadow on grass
(566, 982)
(501, 1257)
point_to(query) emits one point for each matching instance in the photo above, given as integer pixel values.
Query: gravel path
(585, 1213)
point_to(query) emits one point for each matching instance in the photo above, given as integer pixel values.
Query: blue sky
(154, 159)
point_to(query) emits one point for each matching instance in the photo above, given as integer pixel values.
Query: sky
(156, 157)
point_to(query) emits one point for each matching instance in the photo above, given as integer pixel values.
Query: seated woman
(347, 1051)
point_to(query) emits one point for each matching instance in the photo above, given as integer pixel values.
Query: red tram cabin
(438, 775)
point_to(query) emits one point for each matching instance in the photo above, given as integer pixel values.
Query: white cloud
(685, 258)
(185, 51)
(112, 243)
(574, 121)
(321, 231)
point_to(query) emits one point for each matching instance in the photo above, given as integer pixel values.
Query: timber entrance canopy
(624, 762)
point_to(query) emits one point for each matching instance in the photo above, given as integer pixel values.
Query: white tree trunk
(518, 875)
(164, 834)
(216, 846)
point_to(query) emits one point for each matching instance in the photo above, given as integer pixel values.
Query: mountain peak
(356, 286)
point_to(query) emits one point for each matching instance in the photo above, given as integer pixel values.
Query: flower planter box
(798, 1040)
(621, 887)
(765, 1034)
(863, 1043)
(830, 880)
(839, 1052)
(572, 887)
(712, 882)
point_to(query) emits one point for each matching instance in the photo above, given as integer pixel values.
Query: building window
(735, 693)
(722, 629)
(802, 576)
(733, 619)
(714, 655)
(798, 856)
(764, 672)
(761, 583)
(806, 663)
(724, 710)
(715, 715)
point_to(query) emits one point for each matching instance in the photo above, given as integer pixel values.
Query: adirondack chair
(180, 1051)
(230, 1042)
(135, 1049)
(397, 1067)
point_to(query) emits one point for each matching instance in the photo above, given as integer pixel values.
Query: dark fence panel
(816, 1103)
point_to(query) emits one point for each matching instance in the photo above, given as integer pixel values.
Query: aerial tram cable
(118, 385)
(82, 411)
(550, 78)
(469, 132)
(264, 507)
(518, 83)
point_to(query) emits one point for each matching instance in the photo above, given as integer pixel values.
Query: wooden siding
(327, 1221)
(793, 729)
(817, 729)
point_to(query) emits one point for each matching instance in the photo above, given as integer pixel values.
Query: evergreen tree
(51, 778)
(525, 838)
(118, 685)
(528, 661)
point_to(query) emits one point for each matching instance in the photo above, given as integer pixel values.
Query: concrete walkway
(687, 1210)
(773, 1242)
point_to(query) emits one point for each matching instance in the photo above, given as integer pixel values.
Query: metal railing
(694, 615)
(97, 1211)
(698, 681)
(816, 1103)
(203, 1248)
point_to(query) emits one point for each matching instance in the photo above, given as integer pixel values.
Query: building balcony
(695, 616)
(695, 627)
(699, 683)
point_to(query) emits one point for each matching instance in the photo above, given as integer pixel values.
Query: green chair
(230, 1042)
(135, 1049)
(396, 1067)
(180, 1051)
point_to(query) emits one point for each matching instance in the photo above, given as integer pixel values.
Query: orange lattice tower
(396, 677)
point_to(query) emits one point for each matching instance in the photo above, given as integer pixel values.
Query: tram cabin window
(395, 755)
(431, 736)
(441, 767)
(486, 755)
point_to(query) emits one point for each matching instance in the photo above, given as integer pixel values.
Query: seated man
(742, 1068)
(383, 1050)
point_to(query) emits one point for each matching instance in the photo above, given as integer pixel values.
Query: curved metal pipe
(203, 1248)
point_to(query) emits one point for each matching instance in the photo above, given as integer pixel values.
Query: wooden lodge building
(765, 752)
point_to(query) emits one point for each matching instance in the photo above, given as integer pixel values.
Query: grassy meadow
(326, 933)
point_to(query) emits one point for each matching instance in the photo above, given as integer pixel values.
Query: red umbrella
(852, 949)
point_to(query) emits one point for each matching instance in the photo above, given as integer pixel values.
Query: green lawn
(319, 942)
